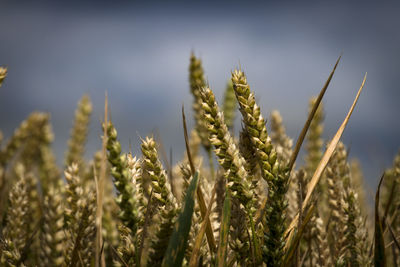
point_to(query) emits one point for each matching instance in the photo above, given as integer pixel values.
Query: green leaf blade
(178, 243)
(224, 232)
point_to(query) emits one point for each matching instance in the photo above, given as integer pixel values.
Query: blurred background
(139, 54)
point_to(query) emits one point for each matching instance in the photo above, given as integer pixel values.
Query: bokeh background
(139, 53)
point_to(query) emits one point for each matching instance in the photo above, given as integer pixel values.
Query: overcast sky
(140, 54)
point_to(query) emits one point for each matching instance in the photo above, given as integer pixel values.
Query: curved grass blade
(324, 161)
(310, 117)
(224, 232)
(389, 203)
(379, 249)
(200, 195)
(100, 260)
(177, 244)
(3, 74)
(393, 235)
(296, 239)
(194, 258)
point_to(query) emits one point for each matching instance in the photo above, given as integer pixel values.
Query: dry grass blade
(325, 159)
(224, 232)
(303, 259)
(379, 249)
(310, 117)
(185, 132)
(203, 211)
(121, 260)
(194, 259)
(300, 221)
(392, 234)
(100, 261)
(200, 195)
(3, 74)
(296, 239)
(389, 202)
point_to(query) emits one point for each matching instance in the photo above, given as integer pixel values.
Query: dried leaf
(324, 161)
(194, 259)
(379, 250)
(200, 195)
(310, 117)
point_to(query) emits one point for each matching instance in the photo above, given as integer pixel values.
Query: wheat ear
(126, 249)
(282, 142)
(276, 177)
(53, 237)
(197, 81)
(229, 157)
(81, 234)
(321, 253)
(76, 143)
(248, 151)
(337, 170)
(225, 148)
(15, 232)
(229, 105)
(126, 191)
(314, 143)
(167, 207)
(74, 193)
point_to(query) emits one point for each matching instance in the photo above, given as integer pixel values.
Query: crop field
(257, 204)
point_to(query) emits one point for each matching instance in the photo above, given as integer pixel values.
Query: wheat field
(255, 206)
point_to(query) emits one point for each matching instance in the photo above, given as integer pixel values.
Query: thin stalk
(100, 259)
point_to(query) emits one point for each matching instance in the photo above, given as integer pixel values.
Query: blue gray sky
(139, 54)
